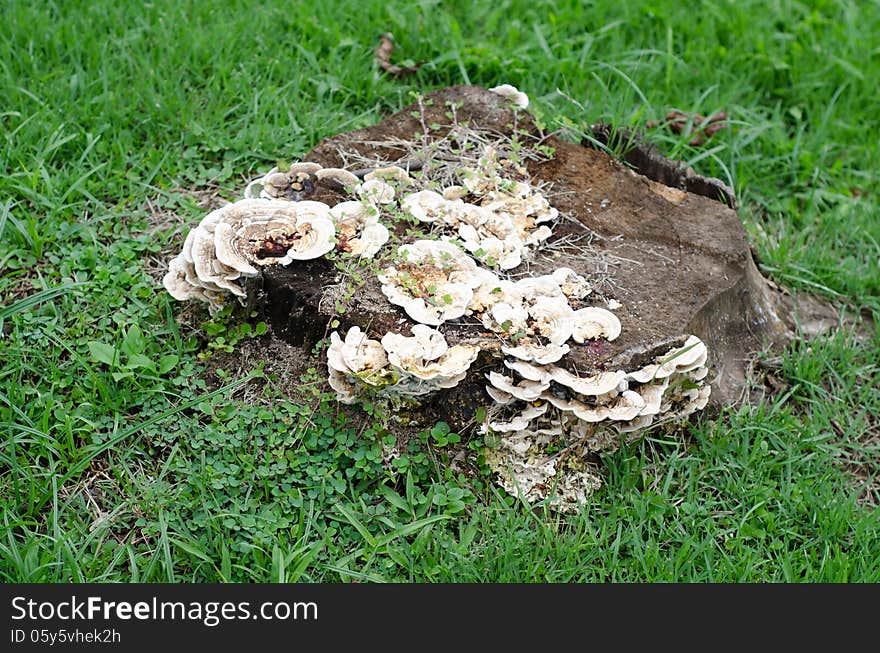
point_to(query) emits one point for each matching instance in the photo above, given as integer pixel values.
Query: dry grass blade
(383, 57)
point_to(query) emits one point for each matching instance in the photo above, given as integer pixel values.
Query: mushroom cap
(376, 190)
(425, 361)
(539, 235)
(469, 237)
(598, 384)
(637, 424)
(425, 205)
(512, 255)
(370, 241)
(524, 390)
(499, 396)
(186, 252)
(452, 303)
(254, 188)
(277, 185)
(433, 283)
(573, 285)
(356, 354)
(541, 354)
(252, 233)
(352, 217)
(544, 286)
(360, 232)
(506, 317)
(335, 359)
(426, 344)
(552, 319)
(437, 252)
(503, 254)
(346, 392)
(593, 322)
(540, 373)
(316, 236)
(646, 374)
(498, 224)
(431, 341)
(447, 370)
(304, 167)
(362, 353)
(471, 214)
(454, 192)
(520, 422)
(691, 355)
(354, 212)
(624, 408)
(491, 291)
(699, 373)
(208, 268)
(652, 393)
(176, 282)
(513, 94)
(340, 175)
(193, 279)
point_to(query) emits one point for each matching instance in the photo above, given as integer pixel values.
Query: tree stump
(660, 245)
(678, 258)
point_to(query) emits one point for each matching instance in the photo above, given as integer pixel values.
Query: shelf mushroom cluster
(232, 242)
(274, 225)
(396, 366)
(504, 219)
(545, 408)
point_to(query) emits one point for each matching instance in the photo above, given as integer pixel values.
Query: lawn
(129, 454)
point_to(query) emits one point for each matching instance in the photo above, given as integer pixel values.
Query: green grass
(120, 463)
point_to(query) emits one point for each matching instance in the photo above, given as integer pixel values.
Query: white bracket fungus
(356, 362)
(513, 94)
(433, 281)
(358, 230)
(425, 362)
(376, 190)
(342, 177)
(396, 366)
(235, 240)
(500, 226)
(393, 175)
(297, 182)
(592, 409)
(593, 322)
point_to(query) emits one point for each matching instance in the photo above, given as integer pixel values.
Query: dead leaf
(699, 127)
(383, 58)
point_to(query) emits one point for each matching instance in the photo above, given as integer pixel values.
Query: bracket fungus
(513, 94)
(355, 363)
(297, 183)
(236, 240)
(432, 280)
(425, 362)
(397, 366)
(578, 301)
(358, 229)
